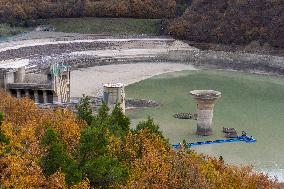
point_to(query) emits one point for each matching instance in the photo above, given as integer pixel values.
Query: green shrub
(3, 138)
(84, 110)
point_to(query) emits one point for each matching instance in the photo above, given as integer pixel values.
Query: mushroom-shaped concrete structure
(205, 105)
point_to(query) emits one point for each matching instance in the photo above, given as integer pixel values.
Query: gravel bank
(37, 50)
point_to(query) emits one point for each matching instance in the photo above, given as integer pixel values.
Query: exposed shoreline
(37, 50)
(94, 59)
(90, 81)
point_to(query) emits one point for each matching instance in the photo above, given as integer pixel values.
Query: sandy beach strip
(90, 81)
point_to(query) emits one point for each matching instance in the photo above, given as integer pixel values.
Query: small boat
(231, 135)
(229, 130)
(183, 116)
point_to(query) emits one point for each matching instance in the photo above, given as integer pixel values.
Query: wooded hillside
(16, 11)
(232, 22)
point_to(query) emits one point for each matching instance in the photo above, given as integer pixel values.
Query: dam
(49, 87)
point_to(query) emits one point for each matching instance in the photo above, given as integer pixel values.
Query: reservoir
(253, 103)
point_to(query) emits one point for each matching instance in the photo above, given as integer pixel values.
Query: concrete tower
(60, 78)
(51, 86)
(113, 94)
(205, 105)
(20, 75)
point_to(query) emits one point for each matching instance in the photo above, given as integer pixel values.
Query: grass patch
(106, 26)
(6, 30)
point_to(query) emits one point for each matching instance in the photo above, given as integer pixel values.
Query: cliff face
(17, 11)
(232, 21)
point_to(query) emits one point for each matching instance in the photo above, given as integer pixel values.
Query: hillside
(232, 22)
(24, 11)
(105, 26)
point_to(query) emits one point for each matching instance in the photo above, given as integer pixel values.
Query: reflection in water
(249, 102)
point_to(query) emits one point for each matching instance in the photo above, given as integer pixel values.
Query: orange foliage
(232, 21)
(154, 164)
(24, 125)
(15, 10)
(84, 184)
(57, 180)
(151, 160)
(148, 156)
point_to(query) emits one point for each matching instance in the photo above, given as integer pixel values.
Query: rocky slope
(89, 51)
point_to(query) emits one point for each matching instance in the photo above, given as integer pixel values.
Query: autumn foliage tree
(24, 126)
(232, 22)
(15, 11)
(53, 149)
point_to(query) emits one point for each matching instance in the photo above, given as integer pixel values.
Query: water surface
(254, 103)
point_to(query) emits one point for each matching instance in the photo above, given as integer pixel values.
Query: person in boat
(244, 134)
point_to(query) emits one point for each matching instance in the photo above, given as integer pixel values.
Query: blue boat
(247, 139)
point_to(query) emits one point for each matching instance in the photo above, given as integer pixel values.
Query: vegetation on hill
(7, 30)
(221, 21)
(46, 149)
(23, 12)
(181, 6)
(106, 26)
(232, 22)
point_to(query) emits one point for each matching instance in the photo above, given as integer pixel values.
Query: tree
(25, 125)
(57, 158)
(3, 138)
(49, 149)
(105, 171)
(102, 118)
(231, 22)
(119, 124)
(96, 161)
(147, 155)
(93, 142)
(149, 124)
(84, 110)
(15, 11)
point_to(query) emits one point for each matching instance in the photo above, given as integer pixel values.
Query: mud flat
(89, 81)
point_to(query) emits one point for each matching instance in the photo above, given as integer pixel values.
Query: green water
(252, 103)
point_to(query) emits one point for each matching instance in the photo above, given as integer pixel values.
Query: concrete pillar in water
(18, 93)
(113, 94)
(45, 99)
(205, 105)
(36, 96)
